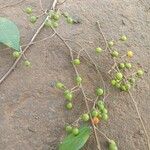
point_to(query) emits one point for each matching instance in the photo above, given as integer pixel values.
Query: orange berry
(95, 120)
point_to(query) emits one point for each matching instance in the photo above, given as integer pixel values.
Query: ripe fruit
(123, 38)
(76, 61)
(59, 85)
(85, 117)
(99, 92)
(27, 63)
(111, 43)
(16, 54)
(68, 95)
(121, 65)
(33, 19)
(105, 117)
(95, 113)
(119, 75)
(128, 65)
(69, 20)
(28, 10)
(68, 129)
(98, 50)
(113, 82)
(115, 54)
(69, 106)
(78, 80)
(95, 120)
(112, 145)
(75, 131)
(140, 72)
(130, 54)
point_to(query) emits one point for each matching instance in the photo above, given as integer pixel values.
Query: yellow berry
(130, 54)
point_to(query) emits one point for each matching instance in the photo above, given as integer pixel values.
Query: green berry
(128, 65)
(100, 105)
(48, 23)
(113, 82)
(117, 85)
(123, 88)
(99, 92)
(95, 113)
(54, 24)
(111, 43)
(105, 111)
(112, 145)
(33, 19)
(115, 54)
(121, 65)
(68, 129)
(70, 20)
(68, 96)
(27, 63)
(98, 50)
(28, 10)
(119, 76)
(132, 80)
(56, 16)
(78, 80)
(66, 92)
(105, 117)
(123, 38)
(69, 106)
(85, 117)
(128, 86)
(16, 54)
(76, 61)
(140, 72)
(59, 85)
(75, 131)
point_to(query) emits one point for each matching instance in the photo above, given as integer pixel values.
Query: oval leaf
(9, 34)
(72, 142)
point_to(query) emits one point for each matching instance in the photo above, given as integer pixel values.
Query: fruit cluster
(122, 79)
(70, 129)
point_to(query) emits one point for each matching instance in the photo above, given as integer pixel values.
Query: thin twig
(29, 44)
(82, 90)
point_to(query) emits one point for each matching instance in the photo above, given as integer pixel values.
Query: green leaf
(9, 34)
(72, 142)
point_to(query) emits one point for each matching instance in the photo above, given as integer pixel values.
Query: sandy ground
(32, 114)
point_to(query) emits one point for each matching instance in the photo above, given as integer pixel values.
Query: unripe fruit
(70, 20)
(68, 129)
(117, 85)
(66, 14)
(33, 19)
(115, 54)
(123, 88)
(85, 117)
(128, 65)
(56, 16)
(111, 43)
(16, 54)
(54, 24)
(105, 117)
(130, 54)
(112, 145)
(69, 106)
(100, 105)
(140, 72)
(28, 10)
(68, 95)
(121, 65)
(132, 80)
(75, 131)
(95, 113)
(76, 61)
(104, 111)
(119, 76)
(123, 38)
(27, 63)
(59, 85)
(48, 23)
(98, 50)
(99, 92)
(128, 86)
(78, 80)
(113, 82)
(95, 120)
